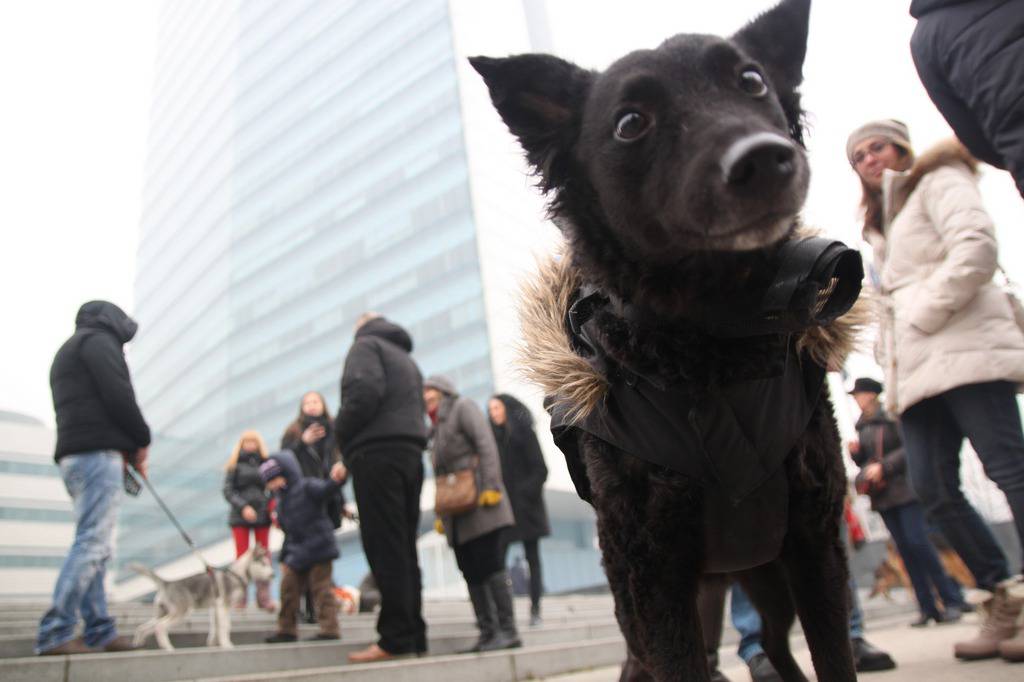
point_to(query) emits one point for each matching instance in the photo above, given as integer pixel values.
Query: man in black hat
(866, 385)
(879, 452)
(99, 429)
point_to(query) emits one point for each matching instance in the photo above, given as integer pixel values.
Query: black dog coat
(732, 438)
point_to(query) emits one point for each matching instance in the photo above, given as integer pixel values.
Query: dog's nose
(758, 162)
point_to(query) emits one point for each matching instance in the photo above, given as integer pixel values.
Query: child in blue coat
(309, 543)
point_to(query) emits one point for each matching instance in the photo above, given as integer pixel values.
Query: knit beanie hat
(270, 469)
(441, 383)
(889, 128)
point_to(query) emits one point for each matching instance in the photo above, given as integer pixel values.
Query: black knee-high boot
(506, 637)
(486, 620)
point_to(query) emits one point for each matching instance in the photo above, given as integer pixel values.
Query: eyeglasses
(875, 148)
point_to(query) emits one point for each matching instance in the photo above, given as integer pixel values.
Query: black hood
(107, 316)
(919, 8)
(389, 331)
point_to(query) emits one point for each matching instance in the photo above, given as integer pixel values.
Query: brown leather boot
(374, 654)
(1012, 650)
(75, 646)
(120, 643)
(999, 614)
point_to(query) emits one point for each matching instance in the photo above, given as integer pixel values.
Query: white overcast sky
(77, 78)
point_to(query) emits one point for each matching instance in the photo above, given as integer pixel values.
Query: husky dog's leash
(188, 539)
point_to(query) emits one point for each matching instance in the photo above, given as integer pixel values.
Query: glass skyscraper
(311, 160)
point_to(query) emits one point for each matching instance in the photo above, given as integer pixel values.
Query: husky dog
(175, 599)
(682, 339)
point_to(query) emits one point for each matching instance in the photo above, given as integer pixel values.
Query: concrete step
(199, 621)
(528, 663)
(270, 661)
(552, 605)
(194, 634)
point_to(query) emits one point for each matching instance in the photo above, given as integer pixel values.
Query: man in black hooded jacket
(381, 430)
(970, 56)
(99, 428)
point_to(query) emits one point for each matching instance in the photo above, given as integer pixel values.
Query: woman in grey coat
(460, 434)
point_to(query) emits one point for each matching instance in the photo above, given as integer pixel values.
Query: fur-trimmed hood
(945, 323)
(898, 185)
(572, 383)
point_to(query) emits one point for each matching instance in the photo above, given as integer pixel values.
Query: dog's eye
(752, 83)
(631, 125)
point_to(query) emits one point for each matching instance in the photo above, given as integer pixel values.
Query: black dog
(683, 339)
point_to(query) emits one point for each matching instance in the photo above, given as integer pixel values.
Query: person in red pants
(250, 511)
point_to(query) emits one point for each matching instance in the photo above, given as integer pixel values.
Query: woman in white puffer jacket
(952, 353)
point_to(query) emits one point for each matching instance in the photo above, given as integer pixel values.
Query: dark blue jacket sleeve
(319, 488)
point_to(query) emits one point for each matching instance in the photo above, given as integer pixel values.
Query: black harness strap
(241, 581)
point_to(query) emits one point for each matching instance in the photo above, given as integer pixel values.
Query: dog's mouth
(758, 233)
(744, 203)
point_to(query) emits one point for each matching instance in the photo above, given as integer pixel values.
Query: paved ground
(922, 655)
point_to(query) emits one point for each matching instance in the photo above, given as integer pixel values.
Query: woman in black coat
(311, 439)
(524, 472)
(250, 512)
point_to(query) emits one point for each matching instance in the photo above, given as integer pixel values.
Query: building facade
(309, 161)
(36, 519)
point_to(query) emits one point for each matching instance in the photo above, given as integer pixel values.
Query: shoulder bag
(455, 492)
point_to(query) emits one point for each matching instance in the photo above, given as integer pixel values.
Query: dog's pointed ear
(540, 98)
(778, 39)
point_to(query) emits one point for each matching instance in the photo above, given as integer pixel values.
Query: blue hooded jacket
(301, 512)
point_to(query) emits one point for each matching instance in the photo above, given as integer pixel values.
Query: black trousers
(387, 480)
(533, 560)
(480, 558)
(933, 432)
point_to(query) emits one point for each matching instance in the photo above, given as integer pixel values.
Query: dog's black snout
(759, 162)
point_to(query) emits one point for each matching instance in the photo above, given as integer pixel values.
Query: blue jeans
(93, 479)
(933, 431)
(747, 621)
(907, 527)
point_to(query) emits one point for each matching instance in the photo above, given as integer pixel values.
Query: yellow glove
(438, 526)
(489, 498)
